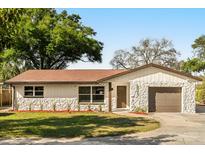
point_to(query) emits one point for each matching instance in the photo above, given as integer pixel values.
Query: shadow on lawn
(72, 126)
(2, 114)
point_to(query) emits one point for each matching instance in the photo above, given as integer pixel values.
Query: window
(33, 91)
(91, 94)
(84, 94)
(28, 91)
(98, 94)
(39, 91)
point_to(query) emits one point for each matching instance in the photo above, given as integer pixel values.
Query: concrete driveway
(175, 129)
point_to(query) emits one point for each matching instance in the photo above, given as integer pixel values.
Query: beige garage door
(164, 99)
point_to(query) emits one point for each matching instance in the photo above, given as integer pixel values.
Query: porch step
(5, 109)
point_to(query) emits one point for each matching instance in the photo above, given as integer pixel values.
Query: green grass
(38, 124)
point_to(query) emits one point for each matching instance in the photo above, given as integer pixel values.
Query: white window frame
(91, 93)
(84, 94)
(28, 91)
(33, 96)
(97, 94)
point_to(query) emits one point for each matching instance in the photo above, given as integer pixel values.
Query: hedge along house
(151, 87)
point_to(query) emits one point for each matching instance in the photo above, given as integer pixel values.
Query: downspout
(13, 97)
(110, 96)
(1, 94)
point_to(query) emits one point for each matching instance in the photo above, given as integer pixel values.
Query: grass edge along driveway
(68, 125)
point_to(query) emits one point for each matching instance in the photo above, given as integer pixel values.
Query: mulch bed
(141, 113)
(51, 111)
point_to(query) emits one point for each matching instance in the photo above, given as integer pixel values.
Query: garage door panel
(164, 99)
(168, 109)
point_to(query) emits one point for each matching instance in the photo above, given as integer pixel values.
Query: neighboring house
(151, 87)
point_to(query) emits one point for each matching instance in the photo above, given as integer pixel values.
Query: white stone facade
(139, 82)
(55, 104)
(138, 97)
(139, 94)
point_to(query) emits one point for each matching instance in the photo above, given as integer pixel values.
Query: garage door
(164, 99)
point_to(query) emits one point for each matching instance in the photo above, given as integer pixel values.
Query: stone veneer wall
(57, 104)
(139, 94)
(114, 103)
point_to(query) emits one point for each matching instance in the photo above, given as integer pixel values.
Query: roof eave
(51, 82)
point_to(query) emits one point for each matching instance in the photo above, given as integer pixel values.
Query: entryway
(121, 96)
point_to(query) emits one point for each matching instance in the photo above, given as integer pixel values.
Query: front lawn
(38, 124)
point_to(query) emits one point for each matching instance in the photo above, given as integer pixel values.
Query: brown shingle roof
(81, 76)
(70, 76)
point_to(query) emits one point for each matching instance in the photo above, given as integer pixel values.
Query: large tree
(8, 21)
(45, 39)
(147, 51)
(124, 59)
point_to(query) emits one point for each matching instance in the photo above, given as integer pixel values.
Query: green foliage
(193, 65)
(199, 47)
(196, 64)
(30, 104)
(54, 106)
(100, 108)
(89, 107)
(17, 106)
(41, 106)
(78, 107)
(8, 20)
(10, 66)
(44, 39)
(200, 93)
(141, 109)
(69, 107)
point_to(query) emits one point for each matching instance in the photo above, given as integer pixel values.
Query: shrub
(54, 107)
(68, 107)
(89, 107)
(17, 106)
(140, 109)
(78, 107)
(41, 107)
(100, 108)
(30, 106)
(200, 93)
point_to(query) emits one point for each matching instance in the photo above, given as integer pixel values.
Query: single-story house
(152, 88)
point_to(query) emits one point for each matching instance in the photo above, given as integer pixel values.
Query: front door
(121, 97)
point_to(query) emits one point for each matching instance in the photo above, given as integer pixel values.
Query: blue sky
(123, 28)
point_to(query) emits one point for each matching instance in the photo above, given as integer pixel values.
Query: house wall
(152, 73)
(140, 81)
(63, 96)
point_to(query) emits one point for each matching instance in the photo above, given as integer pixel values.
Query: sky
(124, 28)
